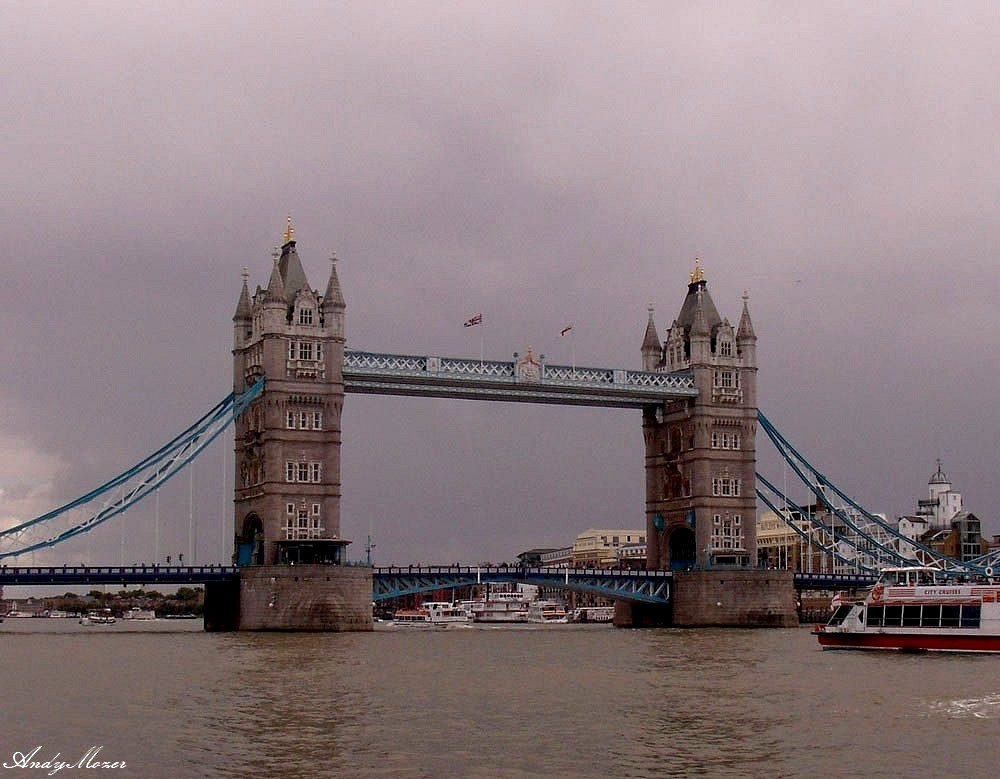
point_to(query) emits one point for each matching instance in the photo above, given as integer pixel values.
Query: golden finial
(289, 235)
(698, 274)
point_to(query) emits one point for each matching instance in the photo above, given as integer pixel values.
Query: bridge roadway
(518, 380)
(395, 581)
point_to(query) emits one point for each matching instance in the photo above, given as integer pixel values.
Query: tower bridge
(696, 389)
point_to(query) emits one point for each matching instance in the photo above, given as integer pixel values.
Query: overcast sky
(539, 163)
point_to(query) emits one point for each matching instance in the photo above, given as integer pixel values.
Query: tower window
(725, 440)
(725, 487)
(727, 379)
(304, 472)
(305, 316)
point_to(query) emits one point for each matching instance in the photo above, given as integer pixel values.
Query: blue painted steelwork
(114, 574)
(129, 487)
(644, 586)
(402, 374)
(833, 581)
(861, 540)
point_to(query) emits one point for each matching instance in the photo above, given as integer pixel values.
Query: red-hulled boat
(921, 610)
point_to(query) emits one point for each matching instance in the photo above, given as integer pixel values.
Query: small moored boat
(547, 612)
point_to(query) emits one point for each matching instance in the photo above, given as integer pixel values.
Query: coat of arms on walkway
(529, 367)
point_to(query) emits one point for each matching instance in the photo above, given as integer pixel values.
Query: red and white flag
(565, 329)
(476, 320)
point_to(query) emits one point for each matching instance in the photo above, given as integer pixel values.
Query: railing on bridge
(427, 376)
(646, 586)
(833, 581)
(117, 574)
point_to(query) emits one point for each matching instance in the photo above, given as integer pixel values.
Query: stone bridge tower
(700, 452)
(287, 483)
(288, 440)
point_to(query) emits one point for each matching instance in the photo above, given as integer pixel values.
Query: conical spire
(243, 310)
(333, 297)
(293, 277)
(745, 329)
(651, 349)
(699, 327)
(651, 340)
(275, 287)
(697, 286)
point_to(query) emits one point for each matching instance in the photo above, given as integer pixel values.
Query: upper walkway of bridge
(527, 379)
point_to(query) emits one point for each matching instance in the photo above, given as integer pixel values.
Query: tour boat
(919, 609)
(547, 612)
(432, 614)
(499, 610)
(98, 617)
(503, 604)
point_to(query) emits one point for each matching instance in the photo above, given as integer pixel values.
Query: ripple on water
(986, 707)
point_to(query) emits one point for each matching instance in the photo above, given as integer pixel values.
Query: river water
(169, 700)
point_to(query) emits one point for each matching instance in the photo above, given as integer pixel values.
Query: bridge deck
(116, 574)
(425, 376)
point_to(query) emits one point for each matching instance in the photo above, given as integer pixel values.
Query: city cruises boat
(919, 609)
(547, 612)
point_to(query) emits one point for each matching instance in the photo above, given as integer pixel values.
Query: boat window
(875, 616)
(970, 616)
(840, 614)
(950, 616)
(893, 616)
(911, 616)
(931, 617)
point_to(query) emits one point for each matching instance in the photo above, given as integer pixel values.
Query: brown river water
(169, 700)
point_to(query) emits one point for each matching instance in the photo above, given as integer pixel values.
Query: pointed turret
(746, 339)
(333, 302)
(696, 284)
(243, 310)
(275, 288)
(333, 297)
(745, 329)
(293, 277)
(244, 314)
(651, 349)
